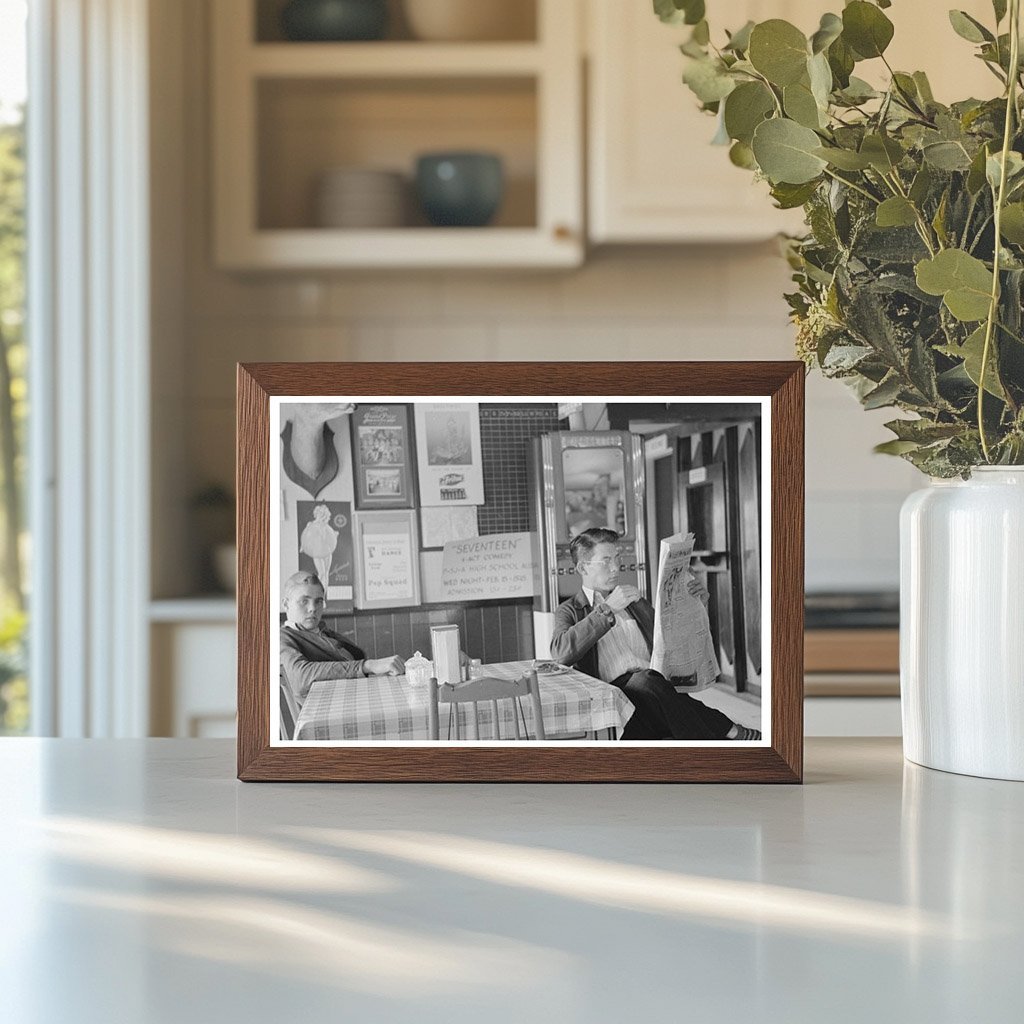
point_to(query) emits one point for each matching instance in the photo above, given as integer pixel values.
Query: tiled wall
(708, 303)
(702, 302)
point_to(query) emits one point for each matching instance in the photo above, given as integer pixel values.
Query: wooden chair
(289, 709)
(476, 690)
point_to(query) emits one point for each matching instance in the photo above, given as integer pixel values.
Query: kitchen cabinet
(193, 674)
(286, 113)
(653, 175)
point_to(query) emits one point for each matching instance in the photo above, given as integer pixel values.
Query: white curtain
(88, 318)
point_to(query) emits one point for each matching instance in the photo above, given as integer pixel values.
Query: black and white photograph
(608, 587)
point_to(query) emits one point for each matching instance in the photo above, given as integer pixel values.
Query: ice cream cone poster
(324, 536)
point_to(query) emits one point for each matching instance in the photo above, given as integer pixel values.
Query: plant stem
(922, 225)
(993, 309)
(855, 187)
(768, 85)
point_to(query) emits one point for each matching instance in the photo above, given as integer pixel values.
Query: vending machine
(580, 480)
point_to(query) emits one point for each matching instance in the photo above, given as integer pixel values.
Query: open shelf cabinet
(285, 113)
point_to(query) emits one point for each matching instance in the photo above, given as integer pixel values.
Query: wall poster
(450, 462)
(387, 559)
(382, 456)
(324, 535)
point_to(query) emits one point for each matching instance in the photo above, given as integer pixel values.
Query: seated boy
(607, 631)
(309, 651)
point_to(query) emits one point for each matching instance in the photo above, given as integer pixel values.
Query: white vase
(962, 624)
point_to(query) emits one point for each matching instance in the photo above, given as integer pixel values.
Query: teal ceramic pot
(460, 189)
(334, 20)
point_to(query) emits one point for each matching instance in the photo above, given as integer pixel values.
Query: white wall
(720, 302)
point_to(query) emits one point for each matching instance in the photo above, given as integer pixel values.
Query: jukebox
(580, 480)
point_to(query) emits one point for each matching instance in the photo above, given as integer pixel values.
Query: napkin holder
(444, 642)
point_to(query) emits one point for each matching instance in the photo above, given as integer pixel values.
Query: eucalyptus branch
(969, 217)
(977, 238)
(993, 308)
(853, 185)
(923, 228)
(771, 89)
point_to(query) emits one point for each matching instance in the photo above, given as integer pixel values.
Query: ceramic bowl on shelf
(361, 198)
(334, 20)
(468, 20)
(460, 189)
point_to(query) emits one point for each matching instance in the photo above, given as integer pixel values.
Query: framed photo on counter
(614, 551)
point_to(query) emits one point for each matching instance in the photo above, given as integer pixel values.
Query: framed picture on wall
(382, 456)
(449, 459)
(620, 600)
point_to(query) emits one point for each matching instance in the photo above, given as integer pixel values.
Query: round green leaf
(785, 152)
(896, 212)
(1012, 223)
(778, 50)
(962, 280)
(829, 30)
(789, 197)
(707, 80)
(967, 28)
(801, 106)
(883, 153)
(746, 107)
(674, 12)
(947, 156)
(844, 159)
(740, 39)
(820, 75)
(866, 29)
(743, 156)
(972, 353)
(841, 62)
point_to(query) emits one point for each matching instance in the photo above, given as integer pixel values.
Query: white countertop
(143, 884)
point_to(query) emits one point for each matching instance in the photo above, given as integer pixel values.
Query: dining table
(573, 704)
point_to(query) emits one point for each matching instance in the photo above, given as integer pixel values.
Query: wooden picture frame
(778, 386)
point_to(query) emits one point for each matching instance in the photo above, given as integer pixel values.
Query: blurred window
(14, 547)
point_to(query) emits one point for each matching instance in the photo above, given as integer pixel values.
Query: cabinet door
(653, 174)
(285, 114)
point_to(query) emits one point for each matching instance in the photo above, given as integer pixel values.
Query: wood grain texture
(852, 650)
(607, 762)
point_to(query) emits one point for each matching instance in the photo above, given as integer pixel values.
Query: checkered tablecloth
(389, 708)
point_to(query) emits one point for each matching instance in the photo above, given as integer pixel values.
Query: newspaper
(683, 646)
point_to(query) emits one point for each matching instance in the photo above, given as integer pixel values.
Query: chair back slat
(432, 711)
(538, 714)
(488, 689)
(290, 707)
